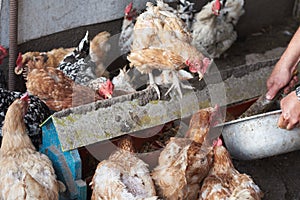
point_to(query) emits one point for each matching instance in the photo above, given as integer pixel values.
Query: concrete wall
(41, 18)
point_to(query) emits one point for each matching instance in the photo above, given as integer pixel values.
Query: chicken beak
(109, 96)
(18, 70)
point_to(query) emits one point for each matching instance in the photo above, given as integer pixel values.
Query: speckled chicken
(25, 173)
(224, 182)
(53, 87)
(185, 162)
(36, 114)
(80, 68)
(161, 41)
(213, 28)
(123, 176)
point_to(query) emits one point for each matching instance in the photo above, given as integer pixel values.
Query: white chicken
(25, 173)
(213, 28)
(161, 41)
(126, 35)
(123, 176)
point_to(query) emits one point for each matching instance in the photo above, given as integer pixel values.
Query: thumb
(272, 92)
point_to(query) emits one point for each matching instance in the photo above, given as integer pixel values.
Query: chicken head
(106, 89)
(198, 66)
(130, 12)
(3, 53)
(216, 7)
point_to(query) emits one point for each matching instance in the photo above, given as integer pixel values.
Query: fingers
(285, 122)
(291, 85)
(273, 89)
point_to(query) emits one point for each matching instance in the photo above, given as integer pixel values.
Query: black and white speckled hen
(37, 113)
(75, 66)
(79, 66)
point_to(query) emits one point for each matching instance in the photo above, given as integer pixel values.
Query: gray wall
(38, 18)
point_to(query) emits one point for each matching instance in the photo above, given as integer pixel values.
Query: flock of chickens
(171, 41)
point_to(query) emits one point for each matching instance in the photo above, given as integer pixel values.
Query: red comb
(3, 50)
(128, 8)
(19, 60)
(3, 53)
(218, 142)
(25, 97)
(110, 85)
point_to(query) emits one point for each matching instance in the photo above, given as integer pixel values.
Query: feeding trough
(65, 132)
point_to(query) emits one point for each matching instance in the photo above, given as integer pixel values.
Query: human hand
(281, 77)
(290, 116)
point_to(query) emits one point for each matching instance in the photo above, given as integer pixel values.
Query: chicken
(80, 68)
(122, 82)
(161, 41)
(123, 176)
(225, 182)
(50, 59)
(213, 28)
(25, 173)
(3, 53)
(99, 47)
(126, 35)
(54, 87)
(36, 114)
(185, 162)
(185, 10)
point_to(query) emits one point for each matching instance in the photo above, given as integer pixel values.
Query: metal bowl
(259, 137)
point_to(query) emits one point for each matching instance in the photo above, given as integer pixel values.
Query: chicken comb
(3, 53)
(128, 8)
(110, 85)
(19, 60)
(218, 142)
(25, 97)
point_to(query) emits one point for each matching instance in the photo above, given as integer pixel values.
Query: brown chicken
(54, 87)
(185, 162)
(99, 47)
(50, 59)
(225, 182)
(160, 34)
(25, 173)
(123, 176)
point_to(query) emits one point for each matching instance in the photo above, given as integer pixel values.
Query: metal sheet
(258, 137)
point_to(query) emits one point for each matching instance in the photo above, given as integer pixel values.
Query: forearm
(291, 56)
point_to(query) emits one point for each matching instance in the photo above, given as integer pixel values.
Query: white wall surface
(40, 17)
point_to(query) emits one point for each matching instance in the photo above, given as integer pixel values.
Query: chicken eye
(202, 160)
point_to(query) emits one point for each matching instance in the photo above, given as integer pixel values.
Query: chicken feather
(123, 176)
(225, 182)
(183, 163)
(25, 173)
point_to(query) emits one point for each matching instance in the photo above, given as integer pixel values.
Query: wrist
(298, 92)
